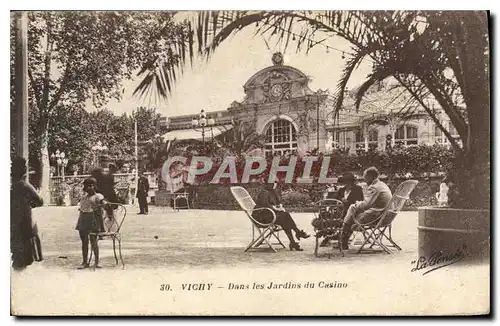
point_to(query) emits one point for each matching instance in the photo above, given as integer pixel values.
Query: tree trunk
(475, 176)
(45, 171)
(42, 167)
(477, 159)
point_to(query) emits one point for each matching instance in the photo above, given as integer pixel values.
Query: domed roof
(276, 83)
(287, 72)
(277, 70)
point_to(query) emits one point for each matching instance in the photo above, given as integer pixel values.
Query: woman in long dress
(23, 197)
(270, 199)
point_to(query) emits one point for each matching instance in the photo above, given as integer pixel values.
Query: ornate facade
(279, 104)
(387, 114)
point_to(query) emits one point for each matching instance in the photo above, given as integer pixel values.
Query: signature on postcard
(438, 260)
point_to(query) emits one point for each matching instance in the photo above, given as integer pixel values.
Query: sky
(215, 84)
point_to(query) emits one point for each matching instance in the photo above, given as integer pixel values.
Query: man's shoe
(83, 266)
(140, 213)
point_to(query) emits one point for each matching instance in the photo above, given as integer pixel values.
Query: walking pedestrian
(142, 194)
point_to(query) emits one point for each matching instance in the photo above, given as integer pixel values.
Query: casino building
(279, 104)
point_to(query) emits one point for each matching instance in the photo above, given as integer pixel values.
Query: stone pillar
(329, 141)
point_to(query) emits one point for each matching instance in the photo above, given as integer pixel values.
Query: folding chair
(328, 222)
(112, 228)
(176, 184)
(376, 231)
(264, 231)
(180, 195)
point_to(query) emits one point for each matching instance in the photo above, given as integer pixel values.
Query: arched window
(281, 137)
(359, 138)
(440, 137)
(406, 135)
(340, 138)
(373, 138)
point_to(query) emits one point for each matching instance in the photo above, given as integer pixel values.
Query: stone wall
(69, 192)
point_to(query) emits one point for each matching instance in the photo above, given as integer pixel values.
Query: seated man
(377, 196)
(348, 195)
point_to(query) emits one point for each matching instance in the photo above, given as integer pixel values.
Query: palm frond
(144, 85)
(206, 30)
(242, 21)
(382, 35)
(349, 67)
(197, 37)
(377, 76)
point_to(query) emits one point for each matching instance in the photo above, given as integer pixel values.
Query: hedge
(302, 197)
(414, 160)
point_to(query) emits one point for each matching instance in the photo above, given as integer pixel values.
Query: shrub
(60, 191)
(303, 197)
(415, 160)
(296, 198)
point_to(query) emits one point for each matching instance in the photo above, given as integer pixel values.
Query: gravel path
(198, 246)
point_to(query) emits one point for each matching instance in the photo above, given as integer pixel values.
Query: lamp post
(203, 123)
(97, 149)
(61, 161)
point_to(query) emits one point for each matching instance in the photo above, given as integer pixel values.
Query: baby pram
(327, 222)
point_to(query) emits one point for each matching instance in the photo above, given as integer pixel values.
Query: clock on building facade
(277, 59)
(277, 91)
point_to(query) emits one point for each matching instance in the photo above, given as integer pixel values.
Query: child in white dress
(90, 220)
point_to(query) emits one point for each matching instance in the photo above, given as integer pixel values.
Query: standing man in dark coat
(142, 193)
(106, 187)
(350, 193)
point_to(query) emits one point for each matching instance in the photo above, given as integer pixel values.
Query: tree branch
(36, 89)
(447, 105)
(62, 88)
(432, 114)
(46, 78)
